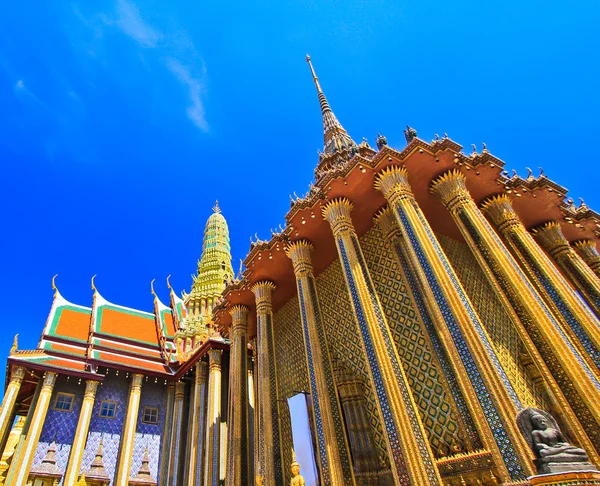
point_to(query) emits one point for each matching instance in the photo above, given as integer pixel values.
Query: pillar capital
(214, 358)
(393, 183)
(239, 314)
(550, 236)
(263, 292)
(588, 251)
(451, 189)
(500, 211)
(17, 374)
(136, 381)
(49, 379)
(201, 372)
(300, 254)
(386, 220)
(179, 390)
(91, 387)
(337, 213)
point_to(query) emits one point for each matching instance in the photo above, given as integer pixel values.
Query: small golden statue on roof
(297, 479)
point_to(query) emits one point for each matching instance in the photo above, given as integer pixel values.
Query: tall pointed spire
(336, 139)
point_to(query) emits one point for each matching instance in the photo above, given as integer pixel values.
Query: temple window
(64, 402)
(108, 409)
(150, 415)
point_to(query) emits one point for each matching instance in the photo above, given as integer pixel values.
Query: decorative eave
(536, 200)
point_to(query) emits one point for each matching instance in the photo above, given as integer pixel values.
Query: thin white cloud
(195, 111)
(131, 23)
(24, 94)
(129, 20)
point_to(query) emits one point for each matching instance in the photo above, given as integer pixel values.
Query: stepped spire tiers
(337, 142)
(214, 271)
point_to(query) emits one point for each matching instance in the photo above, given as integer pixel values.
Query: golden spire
(315, 78)
(216, 207)
(336, 139)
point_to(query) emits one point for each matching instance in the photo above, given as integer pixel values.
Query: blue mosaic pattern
(461, 405)
(581, 282)
(114, 388)
(325, 471)
(391, 352)
(506, 448)
(150, 435)
(60, 426)
(560, 304)
(276, 446)
(505, 286)
(328, 373)
(397, 458)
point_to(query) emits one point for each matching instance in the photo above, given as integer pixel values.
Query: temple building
(423, 318)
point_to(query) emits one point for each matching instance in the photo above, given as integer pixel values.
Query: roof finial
(152, 288)
(93, 286)
(314, 74)
(15, 345)
(169, 283)
(54, 284)
(216, 207)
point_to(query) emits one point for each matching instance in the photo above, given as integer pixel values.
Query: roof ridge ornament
(94, 286)
(152, 289)
(54, 287)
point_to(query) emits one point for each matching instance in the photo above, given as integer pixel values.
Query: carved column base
(571, 478)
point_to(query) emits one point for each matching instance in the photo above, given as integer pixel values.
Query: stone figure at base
(553, 453)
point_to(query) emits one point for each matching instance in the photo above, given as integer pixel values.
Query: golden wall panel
(496, 321)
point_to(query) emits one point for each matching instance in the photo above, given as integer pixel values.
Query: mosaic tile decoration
(497, 322)
(60, 426)
(292, 374)
(115, 388)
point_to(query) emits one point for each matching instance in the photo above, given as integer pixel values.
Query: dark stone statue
(553, 453)
(410, 134)
(381, 141)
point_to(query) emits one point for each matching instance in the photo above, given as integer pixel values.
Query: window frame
(116, 404)
(144, 421)
(63, 394)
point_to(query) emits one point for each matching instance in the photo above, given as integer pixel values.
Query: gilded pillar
(581, 275)
(22, 464)
(580, 324)
(7, 410)
(462, 389)
(412, 461)
(256, 436)
(268, 436)
(164, 457)
(491, 398)
(238, 460)
(176, 435)
(196, 431)
(504, 274)
(128, 434)
(332, 446)
(85, 415)
(588, 251)
(251, 419)
(213, 419)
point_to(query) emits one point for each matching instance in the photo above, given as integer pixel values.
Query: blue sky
(122, 121)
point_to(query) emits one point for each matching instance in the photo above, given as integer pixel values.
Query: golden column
(492, 400)
(7, 410)
(588, 251)
(213, 419)
(551, 238)
(128, 434)
(176, 433)
(412, 461)
(505, 274)
(579, 322)
(238, 460)
(166, 448)
(267, 435)
(332, 445)
(196, 431)
(81, 433)
(19, 469)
